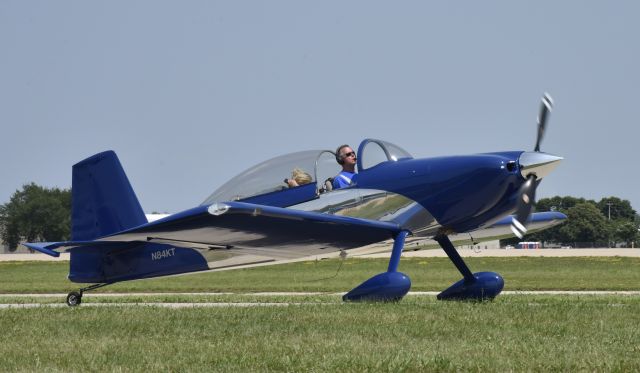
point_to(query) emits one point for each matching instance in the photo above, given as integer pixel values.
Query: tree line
(37, 213)
(611, 221)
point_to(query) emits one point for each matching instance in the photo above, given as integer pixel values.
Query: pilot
(346, 157)
(298, 177)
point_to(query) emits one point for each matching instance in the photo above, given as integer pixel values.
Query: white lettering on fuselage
(162, 254)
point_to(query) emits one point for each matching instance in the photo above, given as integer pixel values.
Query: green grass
(427, 274)
(512, 333)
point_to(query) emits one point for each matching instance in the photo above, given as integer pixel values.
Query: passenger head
(301, 177)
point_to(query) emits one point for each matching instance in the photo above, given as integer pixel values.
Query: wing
(502, 228)
(499, 230)
(236, 233)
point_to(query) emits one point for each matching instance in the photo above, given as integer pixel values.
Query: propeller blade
(545, 109)
(526, 200)
(532, 163)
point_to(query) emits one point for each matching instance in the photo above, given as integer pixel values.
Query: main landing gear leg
(387, 286)
(475, 286)
(75, 297)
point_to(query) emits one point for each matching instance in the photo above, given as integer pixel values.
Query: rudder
(103, 201)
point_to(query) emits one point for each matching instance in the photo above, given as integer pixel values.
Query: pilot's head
(346, 156)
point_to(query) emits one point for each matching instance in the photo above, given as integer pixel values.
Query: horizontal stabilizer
(43, 247)
(50, 247)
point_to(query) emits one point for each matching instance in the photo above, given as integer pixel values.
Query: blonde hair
(301, 177)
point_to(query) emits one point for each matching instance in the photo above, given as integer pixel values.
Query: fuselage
(430, 195)
(428, 198)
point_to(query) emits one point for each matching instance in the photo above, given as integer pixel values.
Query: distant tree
(588, 224)
(585, 223)
(559, 203)
(620, 209)
(547, 235)
(36, 213)
(624, 231)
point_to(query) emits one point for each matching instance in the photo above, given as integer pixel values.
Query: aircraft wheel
(74, 299)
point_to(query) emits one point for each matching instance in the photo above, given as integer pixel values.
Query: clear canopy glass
(372, 152)
(319, 165)
(269, 176)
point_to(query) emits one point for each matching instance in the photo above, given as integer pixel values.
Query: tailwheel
(74, 299)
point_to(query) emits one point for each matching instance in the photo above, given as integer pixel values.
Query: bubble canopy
(268, 177)
(372, 152)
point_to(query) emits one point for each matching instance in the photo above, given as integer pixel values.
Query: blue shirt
(344, 179)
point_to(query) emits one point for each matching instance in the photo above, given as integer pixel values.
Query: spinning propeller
(545, 109)
(533, 166)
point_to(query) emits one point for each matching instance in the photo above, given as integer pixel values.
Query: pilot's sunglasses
(351, 154)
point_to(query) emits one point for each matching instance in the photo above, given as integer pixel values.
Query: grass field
(321, 333)
(427, 274)
(513, 333)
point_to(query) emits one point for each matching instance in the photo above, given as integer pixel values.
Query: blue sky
(191, 93)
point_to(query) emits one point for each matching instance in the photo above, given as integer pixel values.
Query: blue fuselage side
(132, 260)
(460, 192)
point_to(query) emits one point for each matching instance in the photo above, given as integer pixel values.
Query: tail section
(103, 201)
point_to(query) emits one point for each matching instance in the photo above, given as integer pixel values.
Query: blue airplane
(256, 219)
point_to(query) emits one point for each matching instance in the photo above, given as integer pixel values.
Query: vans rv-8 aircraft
(255, 220)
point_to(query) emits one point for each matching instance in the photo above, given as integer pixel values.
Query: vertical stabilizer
(103, 201)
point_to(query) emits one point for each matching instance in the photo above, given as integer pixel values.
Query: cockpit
(265, 183)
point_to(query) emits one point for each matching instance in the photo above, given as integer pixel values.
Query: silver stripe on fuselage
(374, 204)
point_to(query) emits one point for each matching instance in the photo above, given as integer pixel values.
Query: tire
(74, 299)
